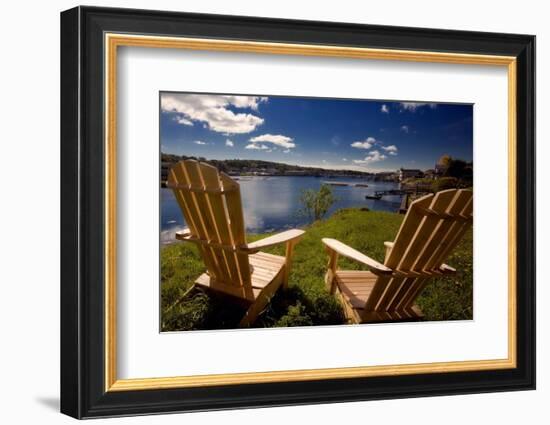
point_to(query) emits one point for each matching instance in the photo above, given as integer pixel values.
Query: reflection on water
(273, 203)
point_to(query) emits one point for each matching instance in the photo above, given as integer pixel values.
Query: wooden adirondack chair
(431, 229)
(211, 204)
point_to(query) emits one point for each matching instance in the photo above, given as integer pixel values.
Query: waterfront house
(408, 173)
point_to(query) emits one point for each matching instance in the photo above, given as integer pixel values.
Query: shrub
(316, 203)
(444, 183)
(296, 316)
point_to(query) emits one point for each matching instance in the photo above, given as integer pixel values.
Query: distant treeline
(252, 166)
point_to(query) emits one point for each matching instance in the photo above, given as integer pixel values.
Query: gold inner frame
(113, 41)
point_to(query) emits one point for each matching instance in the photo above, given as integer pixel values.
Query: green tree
(444, 183)
(445, 161)
(316, 203)
(456, 168)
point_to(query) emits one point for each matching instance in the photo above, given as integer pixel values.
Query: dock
(404, 193)
(345, 184)
(404, 204)
(336, 183)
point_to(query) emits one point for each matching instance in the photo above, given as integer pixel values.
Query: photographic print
(299, 211)
(321, 213)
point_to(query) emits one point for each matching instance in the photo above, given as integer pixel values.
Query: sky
(364, 135)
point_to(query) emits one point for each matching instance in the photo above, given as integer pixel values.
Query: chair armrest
(279, 238)
(184, 234)
(353, 254)
(251, 248)
(445, 269)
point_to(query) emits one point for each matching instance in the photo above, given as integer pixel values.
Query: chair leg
(288, 263)
(261, 302)
(182, 297)
(351, 315)
(253, 312)
(330, 275)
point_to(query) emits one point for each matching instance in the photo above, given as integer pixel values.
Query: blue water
(273, 203)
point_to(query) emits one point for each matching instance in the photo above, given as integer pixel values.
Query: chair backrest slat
(211, 204)
(204, 211)
(221, 213)
(440, 203)
(406, 288)
(409, 227)
(218, 212)
(191, 210)
(380, 286)
(235, 214)
(455, 233)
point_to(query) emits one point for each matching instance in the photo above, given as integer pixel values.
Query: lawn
(306, 301)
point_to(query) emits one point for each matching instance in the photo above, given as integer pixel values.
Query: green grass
(306, 301)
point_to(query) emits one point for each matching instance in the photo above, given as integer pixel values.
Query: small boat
(377, 197)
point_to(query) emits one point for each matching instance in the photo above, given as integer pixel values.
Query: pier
(404, 193)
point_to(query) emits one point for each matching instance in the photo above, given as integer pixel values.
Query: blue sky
(367, 135)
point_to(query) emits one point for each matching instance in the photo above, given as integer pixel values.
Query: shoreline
(305, 226)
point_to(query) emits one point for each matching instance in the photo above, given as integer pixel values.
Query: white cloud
(255, 146)
(286, 151)
(365, 144)
(212, 111)
(229, 143)
(184, 121)
(413, 106)
(251, 102)
(199, 142)
(391, 149)
(361, 145)
(276, 139)
(372, 156)
(385, 109)
(344, 159)
(405, 128)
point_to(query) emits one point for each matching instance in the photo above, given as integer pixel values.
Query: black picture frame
(83, 392)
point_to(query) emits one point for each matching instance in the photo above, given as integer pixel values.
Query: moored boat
(376, 197)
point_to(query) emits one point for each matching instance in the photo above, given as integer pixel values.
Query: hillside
(252, 166)
(307, 302)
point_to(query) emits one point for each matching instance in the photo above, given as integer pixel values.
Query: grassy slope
(307, 302)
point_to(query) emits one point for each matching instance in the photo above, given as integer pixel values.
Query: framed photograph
(261, 212)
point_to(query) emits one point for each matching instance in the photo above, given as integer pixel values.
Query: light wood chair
(211, 204)
(429, 232)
